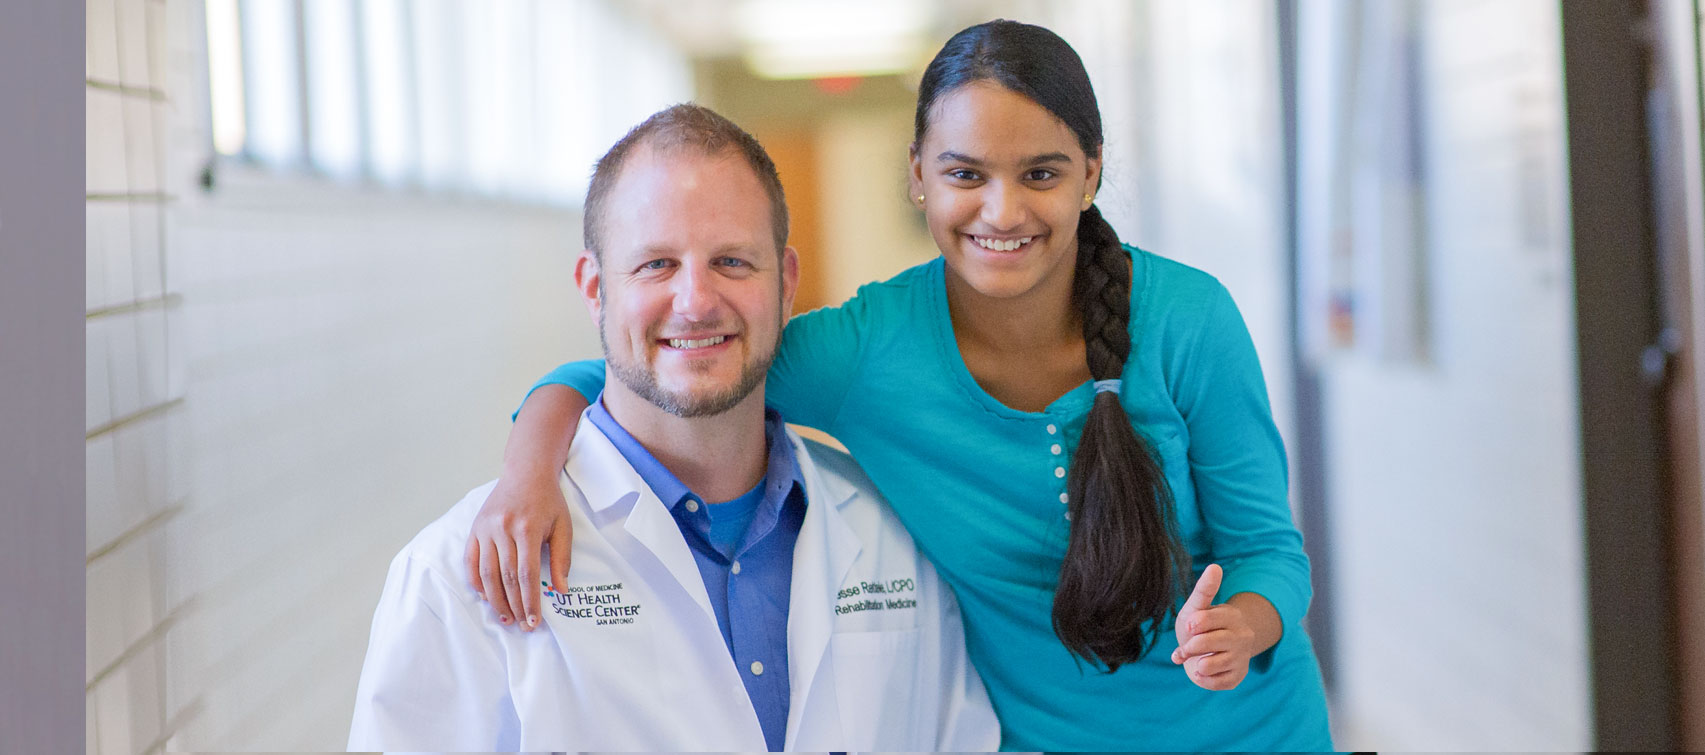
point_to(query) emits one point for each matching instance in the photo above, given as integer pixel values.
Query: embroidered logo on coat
(603, 604)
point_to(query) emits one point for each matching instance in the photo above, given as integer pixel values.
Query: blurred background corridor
(330, 245)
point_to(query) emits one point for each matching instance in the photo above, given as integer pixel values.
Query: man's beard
(643, 382)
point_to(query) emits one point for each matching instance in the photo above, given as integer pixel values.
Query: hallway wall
(1454, 478)
(134, 409)
(287, 378)
(351, 361)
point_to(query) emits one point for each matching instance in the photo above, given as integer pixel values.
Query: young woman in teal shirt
(1070, 428)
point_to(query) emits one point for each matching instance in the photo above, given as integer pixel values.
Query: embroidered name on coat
(890, 595)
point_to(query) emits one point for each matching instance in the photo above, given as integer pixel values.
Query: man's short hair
(686, 126)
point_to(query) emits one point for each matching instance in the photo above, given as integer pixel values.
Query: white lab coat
(635, 661)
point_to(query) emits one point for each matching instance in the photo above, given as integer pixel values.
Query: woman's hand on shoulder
(522, 514)
(526, 510)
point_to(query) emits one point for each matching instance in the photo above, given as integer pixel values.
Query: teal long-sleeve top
(982, 489)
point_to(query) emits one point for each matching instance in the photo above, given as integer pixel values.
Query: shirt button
(1056, 449)
(1062, 498)
(1068, 516)
(1059, 471)
(692, 506)
(757, 668)
(735, 568)
(1052, 429)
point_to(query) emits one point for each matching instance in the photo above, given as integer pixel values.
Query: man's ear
(588, 278)
(789, 280)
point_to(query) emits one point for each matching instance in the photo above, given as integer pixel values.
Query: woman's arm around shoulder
(526, 510)
(816, 364)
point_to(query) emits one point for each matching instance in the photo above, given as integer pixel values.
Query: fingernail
(532, 620)
(504, 619)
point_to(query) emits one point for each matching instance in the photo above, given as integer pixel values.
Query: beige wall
(871, 231)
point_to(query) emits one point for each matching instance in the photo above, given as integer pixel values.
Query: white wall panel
(117, 335)
(147, 259)
(101, 43)
(97, 404)
(129, 347)
(154, 15)
(107, 242)
(139, 459)
(103, 521)
(105, 167)
(129, 473)
(141, 148)
(133, 58)
(151, 356)
(121, 601)
(129, 701)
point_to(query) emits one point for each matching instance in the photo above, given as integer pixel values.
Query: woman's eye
(1040, 174)
(962, 175)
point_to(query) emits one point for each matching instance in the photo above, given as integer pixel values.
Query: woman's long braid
(1125, 563)
(1101, 292)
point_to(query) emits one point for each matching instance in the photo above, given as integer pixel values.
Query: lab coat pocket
(876, 685)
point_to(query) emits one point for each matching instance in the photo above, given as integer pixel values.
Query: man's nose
(695, 293)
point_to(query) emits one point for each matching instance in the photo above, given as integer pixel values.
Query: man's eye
(655, 265)
(734, 262)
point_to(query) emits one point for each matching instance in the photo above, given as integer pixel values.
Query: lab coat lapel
(612, 489)
(826, 550)
(608, 479)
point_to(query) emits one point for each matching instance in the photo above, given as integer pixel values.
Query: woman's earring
(1089, 199)
(920, 200)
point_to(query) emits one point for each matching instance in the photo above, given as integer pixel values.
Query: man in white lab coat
(733, 587)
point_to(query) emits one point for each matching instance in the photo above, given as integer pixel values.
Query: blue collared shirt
(749, 577)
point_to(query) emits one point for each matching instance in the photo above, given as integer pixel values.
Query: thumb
(1206, 587)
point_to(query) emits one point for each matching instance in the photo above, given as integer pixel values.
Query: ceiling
(711, 29)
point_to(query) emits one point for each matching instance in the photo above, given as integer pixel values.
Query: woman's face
(1003, 182)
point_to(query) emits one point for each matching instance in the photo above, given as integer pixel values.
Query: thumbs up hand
(1215, 643)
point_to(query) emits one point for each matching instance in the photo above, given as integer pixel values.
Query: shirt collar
(781, 475)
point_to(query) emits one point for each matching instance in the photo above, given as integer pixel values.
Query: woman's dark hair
(1125, 565)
